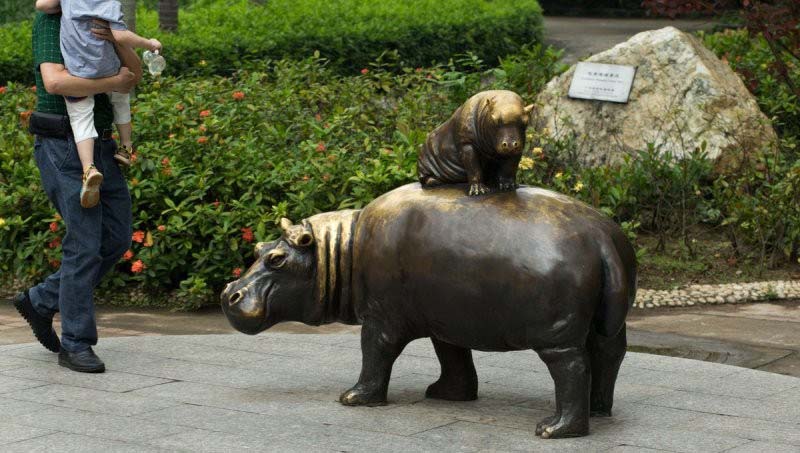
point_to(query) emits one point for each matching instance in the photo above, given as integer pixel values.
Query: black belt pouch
(49, 125)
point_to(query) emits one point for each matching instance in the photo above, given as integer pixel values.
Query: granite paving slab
(279, 391)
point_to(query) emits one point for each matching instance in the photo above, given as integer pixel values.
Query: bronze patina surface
(527, 269)
(481, 144)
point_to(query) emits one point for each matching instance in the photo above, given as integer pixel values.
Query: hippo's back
(521, 261)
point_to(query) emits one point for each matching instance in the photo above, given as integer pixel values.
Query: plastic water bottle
(155, 62)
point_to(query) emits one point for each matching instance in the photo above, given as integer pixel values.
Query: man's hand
(125, 80)
(100, 29)
(155, 45)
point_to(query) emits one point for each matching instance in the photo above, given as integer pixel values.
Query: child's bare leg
(125, 132)
(121, 103)
(86, 153)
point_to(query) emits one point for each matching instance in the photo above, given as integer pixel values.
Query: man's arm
(57, 80)
(48, 6)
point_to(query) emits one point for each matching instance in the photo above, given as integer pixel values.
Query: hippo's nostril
(505, 144)
(235, 298)
(515, 144)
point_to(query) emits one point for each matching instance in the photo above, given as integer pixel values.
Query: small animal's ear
(528, 109)
(489, 103)
(260, 247)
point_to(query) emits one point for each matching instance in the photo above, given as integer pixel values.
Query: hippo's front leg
(378, 354)
(507, 174)
(569, 368)
(472, 166)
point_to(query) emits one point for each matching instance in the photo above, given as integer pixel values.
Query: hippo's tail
(619, 285)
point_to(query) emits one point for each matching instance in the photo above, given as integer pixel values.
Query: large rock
(682, 96)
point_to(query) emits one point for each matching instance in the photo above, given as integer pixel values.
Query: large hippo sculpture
(530, 269)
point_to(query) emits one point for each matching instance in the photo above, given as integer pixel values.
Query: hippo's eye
(276, 259)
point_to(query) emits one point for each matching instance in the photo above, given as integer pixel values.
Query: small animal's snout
(235, 298)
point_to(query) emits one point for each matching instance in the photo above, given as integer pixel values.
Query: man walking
(96, 238)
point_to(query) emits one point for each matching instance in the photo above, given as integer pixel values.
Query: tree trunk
(168, 15)
(129, 14)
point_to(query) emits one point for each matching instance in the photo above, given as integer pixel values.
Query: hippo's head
(273, 288)
(508, 118)
(295, 277)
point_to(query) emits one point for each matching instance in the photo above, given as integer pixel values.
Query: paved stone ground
(277, 392)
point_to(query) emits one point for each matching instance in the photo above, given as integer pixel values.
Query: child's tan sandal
(123, 155)
(90, 191)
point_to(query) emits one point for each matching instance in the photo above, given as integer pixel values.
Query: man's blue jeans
(95, 238)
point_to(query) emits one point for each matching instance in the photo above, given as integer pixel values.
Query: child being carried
(88, 56)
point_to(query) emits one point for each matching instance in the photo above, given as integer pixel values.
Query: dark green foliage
(220, 37)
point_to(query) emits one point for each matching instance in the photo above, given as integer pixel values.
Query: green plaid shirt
(47, 49)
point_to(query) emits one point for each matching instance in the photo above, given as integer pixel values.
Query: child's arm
(48, 6)
(131, 39)
(127, 55)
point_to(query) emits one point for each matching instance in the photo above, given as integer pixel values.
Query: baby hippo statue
(525, 269)
(481, 144)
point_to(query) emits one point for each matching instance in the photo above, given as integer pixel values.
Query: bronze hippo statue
(528, 269)
(481, 144)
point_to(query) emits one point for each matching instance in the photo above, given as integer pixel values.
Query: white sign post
(602, 82)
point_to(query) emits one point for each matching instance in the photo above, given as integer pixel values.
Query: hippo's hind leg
(458, 381)
(569, 368)
(378, 354)
(606, 354)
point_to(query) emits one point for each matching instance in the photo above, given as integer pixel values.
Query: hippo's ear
(260, 247)
(285, 224)
(528, 109)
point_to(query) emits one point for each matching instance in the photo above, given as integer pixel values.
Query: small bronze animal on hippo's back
(481, 144)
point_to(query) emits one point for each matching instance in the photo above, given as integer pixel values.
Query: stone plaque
(602, 82)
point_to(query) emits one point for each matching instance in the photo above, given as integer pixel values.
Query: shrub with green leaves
(220, 160)
(221, 37)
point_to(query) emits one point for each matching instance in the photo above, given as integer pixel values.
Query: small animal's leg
(429, 181)
(472, 165)
(378, 356)
(606, 355)
(458, 381)
(570, 371)
(507, 174)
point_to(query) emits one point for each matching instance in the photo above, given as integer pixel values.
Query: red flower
(161, 228)
(202, 140)
(165, 161)
(306, 177)
(179, 107)
(238, 95)
(166, 171)
(216, 203)
(364, 71)
(320, 147)
(3, 90)
(53, 227)
(138, 236)
(202, 128)
(137, 266)
(55, 243)
(418, 70)
(134, 156)
(237, 272)
(205, 113)
(33, 88)
(128, 255)
(55, 263)
(318, 117)
(247, 234)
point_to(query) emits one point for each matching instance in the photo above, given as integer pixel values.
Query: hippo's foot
(361, 395)
(556, 426)
(600, 409)
(430, 181)
(477, 189)
(453, 390)
(507, 185)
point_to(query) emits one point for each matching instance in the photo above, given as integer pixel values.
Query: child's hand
(155, 45)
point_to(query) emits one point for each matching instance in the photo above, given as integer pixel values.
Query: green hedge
(219, 158)
(219, 37)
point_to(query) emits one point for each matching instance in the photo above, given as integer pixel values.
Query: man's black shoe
(42, 326)
(84, 361)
